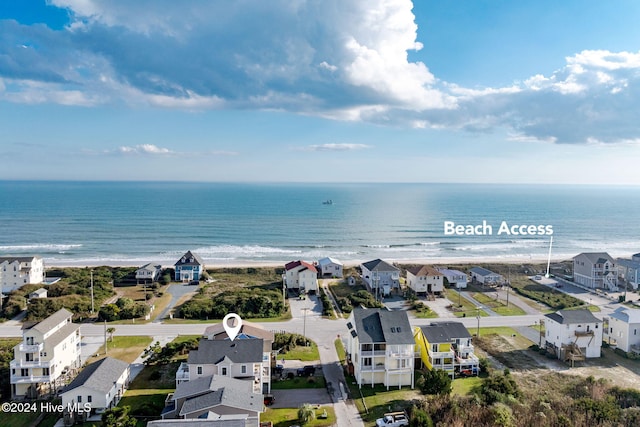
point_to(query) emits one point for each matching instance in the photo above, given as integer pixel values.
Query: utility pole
(478, 317)
(106, 347)
(92, 292)
(304, 325)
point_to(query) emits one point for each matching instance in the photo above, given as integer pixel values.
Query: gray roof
(483, 271)
(595, 257)
(215, 390)
(196, 422)
(99, 376)
(377, 325)
(379, 265)
(445, 332)
(627, 315)
(238, 351)
(52, 321)
(567, 317)
(196, 259)
(628, 263)
(11, 259)
(61, 334)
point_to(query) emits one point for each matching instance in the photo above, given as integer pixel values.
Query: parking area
(297, 397)
(310, 303)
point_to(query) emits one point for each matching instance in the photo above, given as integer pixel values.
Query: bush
(434, 381)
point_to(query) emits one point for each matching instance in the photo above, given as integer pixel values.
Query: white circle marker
(233, 328)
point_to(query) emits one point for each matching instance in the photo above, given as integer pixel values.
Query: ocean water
(137, 222)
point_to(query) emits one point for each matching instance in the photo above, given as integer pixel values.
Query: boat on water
(328, 202)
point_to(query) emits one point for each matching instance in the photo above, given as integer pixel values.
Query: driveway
(297, 397)
(177, 291)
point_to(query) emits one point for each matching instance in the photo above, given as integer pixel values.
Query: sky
(487, 91)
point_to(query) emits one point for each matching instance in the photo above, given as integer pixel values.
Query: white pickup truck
(393, 419)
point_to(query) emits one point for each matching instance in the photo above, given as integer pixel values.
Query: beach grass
(462, 307)
(126, 348)
(498, 306)
(374, 401)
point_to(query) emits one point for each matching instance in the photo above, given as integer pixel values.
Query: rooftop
(238, 351)
(378, 325)
(379, 265)
(444, 332)
(99, 376)
(568, 317)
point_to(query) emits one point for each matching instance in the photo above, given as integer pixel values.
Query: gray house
(595, 270)
(380, 276)
(629, 271)
(485, 277)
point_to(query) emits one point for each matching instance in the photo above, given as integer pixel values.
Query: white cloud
(144, 149)
(336, 147)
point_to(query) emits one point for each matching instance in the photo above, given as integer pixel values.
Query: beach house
(214, 397)
(241, 358)
(573, 335)
(300, 276)
(189, 267)
(595, 270)
(381, 347)
(47, 356)
(330, 267)
(629, 271)
(149, 273)
(38, 293)
(624, 330)
(100, 384)
(425, 280)
(446, 346)
(485, 277)
(16, 272)
(457, 279)
(381, 277)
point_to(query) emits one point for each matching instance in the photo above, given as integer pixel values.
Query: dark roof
(293, 264)
(379, 265)
(573, 316)
(211, 391)
(483, 271)
(99, 376)
(424, 270)
(445, 332)
(52, 321)
(238, 351)
(377, 325)
(196, 259)
(11, 259)
(595, 257)
(224, 421)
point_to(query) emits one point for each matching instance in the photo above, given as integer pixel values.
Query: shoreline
(351, 263)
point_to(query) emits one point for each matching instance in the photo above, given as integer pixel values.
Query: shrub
(435, 381)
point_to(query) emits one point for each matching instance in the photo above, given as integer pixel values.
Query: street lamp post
(92, 292)
(478, 317)
(304, 324)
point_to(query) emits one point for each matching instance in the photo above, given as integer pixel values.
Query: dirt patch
(509, 351)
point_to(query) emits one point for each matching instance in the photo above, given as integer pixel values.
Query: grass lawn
(424, 312)
(465, 308)
(553, 298)
(342, 354)
(145, 402)
(465, 386)
(288, 417)
(378, 400)
(498, 306)
(305, 354)
(124, 348)
(299, 382)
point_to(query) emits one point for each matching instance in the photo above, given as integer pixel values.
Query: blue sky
(321, 90)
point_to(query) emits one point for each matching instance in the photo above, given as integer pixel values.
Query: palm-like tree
(306, 413)
(110, 331)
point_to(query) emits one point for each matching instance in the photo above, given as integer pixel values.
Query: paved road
(177, 291)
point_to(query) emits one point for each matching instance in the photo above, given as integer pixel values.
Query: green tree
(499, 388)
(435, 381)
(118, 417)
(306, 413)
(110, 331)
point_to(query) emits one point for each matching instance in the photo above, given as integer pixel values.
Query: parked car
(194, 282)
(306, 371)
(269, 399)
(278, 369)
(393, 419)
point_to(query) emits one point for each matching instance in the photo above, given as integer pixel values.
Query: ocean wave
(40, 247)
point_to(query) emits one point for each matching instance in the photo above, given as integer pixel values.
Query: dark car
(194, 282)
(269, 399)
(306, 371)
(278, 369)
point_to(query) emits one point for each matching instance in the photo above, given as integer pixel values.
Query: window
(45, 371)
(224, 371)
(79, 399)
(89, 399)
(29, 357)
(243, 369)
(199, 369)
(24, 372)
(401, 363)
(366, 361)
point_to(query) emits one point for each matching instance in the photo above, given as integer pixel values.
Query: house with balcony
(485, 277)
(48, 355)
(629, 271)
(149, 273)
(300, 276)
(573, 335)
(457, 279)
(16, 272)
(381, 277)
(330, 267)
(100, 384)
(189, 267)
(425, 280)
(241, 359)
(213, 398)
(595, 270)
(623, 330)
(381, 347)
(446, 346)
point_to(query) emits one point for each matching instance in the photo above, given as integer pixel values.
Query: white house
(380, 276)
(16, 272)
(38, 293)
(148, 273)
(595, 270)
(446, 346)
(330, 267)
(48, 355)
(629, 271)
(573, 334)
(381, 347)
(425, 280)
(214, 397)
(301, 275)
(485, 277)
(100, 384)
(457, 279)
(624, 329)
(240, 358)
(189, 267)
